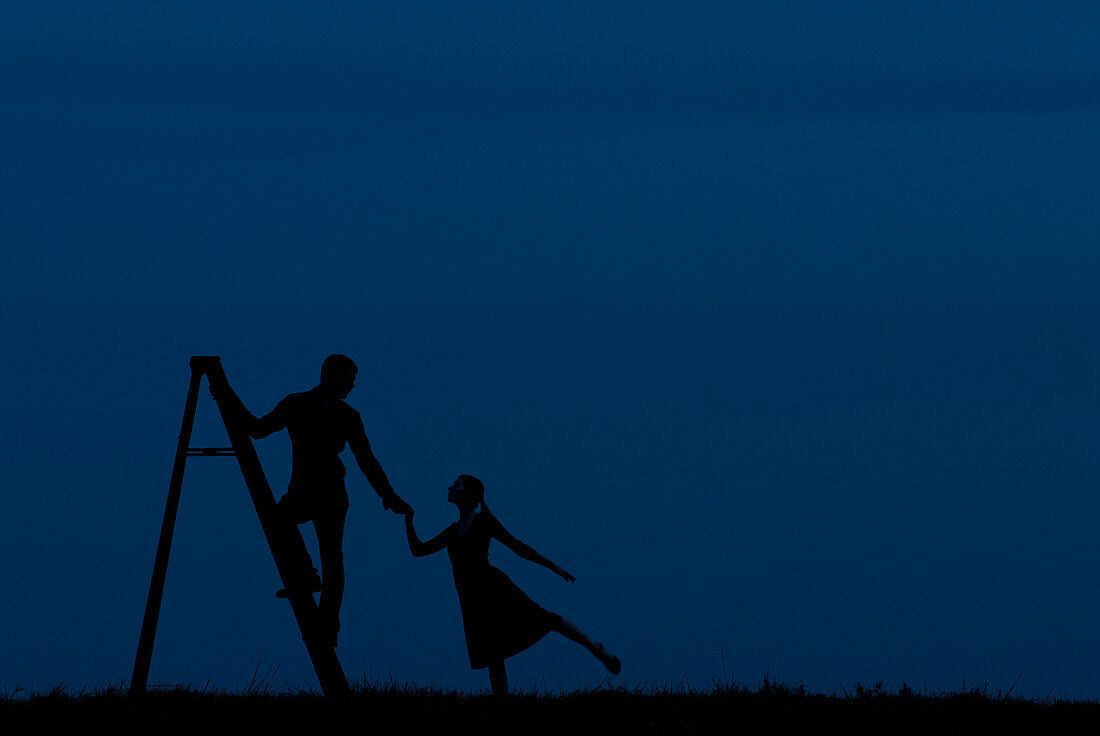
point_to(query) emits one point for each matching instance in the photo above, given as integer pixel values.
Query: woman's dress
(499, 619)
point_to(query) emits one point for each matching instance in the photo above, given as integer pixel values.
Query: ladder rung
(210, 452)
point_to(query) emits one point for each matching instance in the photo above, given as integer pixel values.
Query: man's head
(338, 374)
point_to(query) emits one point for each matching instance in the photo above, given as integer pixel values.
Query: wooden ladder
(283, 538)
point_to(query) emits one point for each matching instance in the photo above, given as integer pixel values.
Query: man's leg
(330, 540)
(290, 543)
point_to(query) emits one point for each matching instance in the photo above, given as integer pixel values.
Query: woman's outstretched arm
(418, 548)
(525, 551)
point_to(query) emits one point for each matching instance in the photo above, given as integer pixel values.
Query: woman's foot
(610, 661)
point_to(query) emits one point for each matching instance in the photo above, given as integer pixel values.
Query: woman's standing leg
(498, 678)
(569, 630)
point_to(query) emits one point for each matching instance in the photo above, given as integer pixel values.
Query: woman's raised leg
(569, 630)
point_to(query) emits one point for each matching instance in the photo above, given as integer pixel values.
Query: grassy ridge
(768, 708)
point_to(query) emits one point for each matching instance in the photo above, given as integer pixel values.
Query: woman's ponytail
(476, 487)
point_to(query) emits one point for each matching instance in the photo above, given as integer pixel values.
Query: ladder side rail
(143, 658)
(285, 541)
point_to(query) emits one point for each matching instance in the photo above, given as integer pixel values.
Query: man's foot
(312, 585)
(611, 662)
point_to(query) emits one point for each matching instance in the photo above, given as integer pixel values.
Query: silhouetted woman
(499, 619)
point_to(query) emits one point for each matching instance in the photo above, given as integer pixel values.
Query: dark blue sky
(774, 323)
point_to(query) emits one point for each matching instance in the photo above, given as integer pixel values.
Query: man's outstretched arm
(372, 469)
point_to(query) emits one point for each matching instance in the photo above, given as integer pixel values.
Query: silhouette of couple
(498, 618)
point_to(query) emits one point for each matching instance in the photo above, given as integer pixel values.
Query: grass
(767, 707)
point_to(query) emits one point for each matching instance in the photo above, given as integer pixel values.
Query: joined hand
(396, 504)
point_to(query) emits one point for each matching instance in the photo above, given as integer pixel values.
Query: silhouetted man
(320, 423)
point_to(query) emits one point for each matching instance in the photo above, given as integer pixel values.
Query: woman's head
(467, 491)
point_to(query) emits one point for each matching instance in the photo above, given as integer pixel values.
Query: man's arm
(271, 422)
(372, 469)
(257, 429)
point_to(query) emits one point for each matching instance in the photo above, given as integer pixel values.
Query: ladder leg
(283, 538)
(160, 565)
